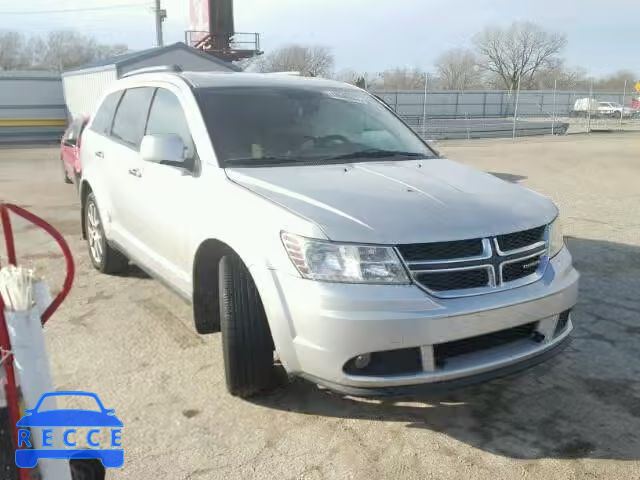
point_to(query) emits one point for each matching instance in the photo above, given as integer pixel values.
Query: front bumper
(505, 369)
(318, 327)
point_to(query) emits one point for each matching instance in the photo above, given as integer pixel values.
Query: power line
(80, 9)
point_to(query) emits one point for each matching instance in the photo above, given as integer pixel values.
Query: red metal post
(8, 233)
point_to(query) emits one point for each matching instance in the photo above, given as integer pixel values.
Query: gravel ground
(576, 416)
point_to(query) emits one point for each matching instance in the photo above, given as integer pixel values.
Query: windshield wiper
(256, 162)
(378, 153)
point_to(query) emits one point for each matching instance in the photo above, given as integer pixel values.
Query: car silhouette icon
(69, 418)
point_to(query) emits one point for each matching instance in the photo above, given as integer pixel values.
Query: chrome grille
(475, 266)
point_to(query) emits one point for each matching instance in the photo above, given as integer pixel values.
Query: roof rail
(156, 69)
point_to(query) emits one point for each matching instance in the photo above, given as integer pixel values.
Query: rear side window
(102, 121)
(167, 116)
(131, 116)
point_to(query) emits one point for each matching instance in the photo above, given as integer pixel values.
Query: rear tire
(104, 258)
(247, 345)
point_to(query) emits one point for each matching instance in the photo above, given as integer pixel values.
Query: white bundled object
(16, 288)
(26, 298)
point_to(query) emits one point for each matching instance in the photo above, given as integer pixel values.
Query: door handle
(99, 154)
(135, 172)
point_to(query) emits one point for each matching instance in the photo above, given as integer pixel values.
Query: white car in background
(585, 106)
(614, 109)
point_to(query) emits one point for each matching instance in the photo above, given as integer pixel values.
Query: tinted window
(131, 116)
(167, 116)
(102, 120)
(254, 125)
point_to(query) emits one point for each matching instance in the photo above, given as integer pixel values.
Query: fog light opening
(362, 361)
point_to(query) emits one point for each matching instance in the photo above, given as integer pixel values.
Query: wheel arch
(85, 190)
(206, 266)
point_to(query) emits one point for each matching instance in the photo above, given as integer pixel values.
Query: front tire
(247, 345)
(104, 258)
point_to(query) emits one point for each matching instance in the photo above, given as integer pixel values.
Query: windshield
(256, 126)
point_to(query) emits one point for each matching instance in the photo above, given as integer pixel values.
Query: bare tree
(311, 61)
(458, 69)
(58, 50)
(353, 77)
(615, 82)
(557, 74)
(402, 79)
(518, 52)
(12, 51)
(65, 49)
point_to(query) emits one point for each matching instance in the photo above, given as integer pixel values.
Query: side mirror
(70, 142)
(162, 148)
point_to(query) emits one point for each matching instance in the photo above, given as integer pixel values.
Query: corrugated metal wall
(32, 107)
(83, 90)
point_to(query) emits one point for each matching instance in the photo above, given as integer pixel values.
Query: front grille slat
(444, 351)
(460, 279)
(516, 240)
(441, 250)
(480, 263)
(516, 270)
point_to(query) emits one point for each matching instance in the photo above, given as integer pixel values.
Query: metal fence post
(515, 110)
(484, 105)
(589, 107)
(553, 120)
(455, 115)
(424, 105)
(624, 94)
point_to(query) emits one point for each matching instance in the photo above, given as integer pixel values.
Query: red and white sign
(199, 15)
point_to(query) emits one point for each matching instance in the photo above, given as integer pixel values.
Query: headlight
(556, 240)
(343, 262)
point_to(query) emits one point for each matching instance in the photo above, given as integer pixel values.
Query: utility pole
(160, 14)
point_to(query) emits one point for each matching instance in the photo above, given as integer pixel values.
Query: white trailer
(84, 86)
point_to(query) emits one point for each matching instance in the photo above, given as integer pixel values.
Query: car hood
(396, 202)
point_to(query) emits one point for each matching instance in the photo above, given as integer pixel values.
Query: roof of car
(244, 79)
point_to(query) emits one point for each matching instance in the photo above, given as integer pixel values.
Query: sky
(364, 35)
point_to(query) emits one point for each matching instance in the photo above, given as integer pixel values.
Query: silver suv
(318, 232)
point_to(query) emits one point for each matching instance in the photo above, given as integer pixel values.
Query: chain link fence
(504, 113)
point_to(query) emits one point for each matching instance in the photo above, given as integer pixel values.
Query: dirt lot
(577, 416)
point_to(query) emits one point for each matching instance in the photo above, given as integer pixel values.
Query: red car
(70, 150)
